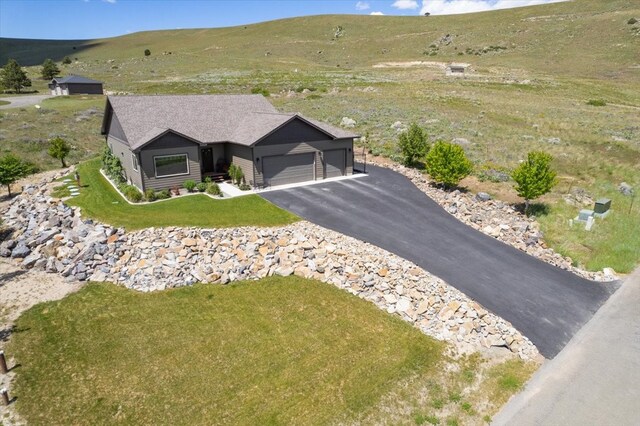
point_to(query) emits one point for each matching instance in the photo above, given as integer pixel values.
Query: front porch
(213, 163)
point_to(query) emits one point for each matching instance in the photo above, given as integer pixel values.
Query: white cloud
(376, 13)
(110, 1)
(362, 5)
(452, 7)
(405, 4)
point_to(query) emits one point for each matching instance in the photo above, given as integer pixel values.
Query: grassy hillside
(557, 38)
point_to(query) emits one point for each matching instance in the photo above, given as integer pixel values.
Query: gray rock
(347, 122)
(30, 260)
(483, 196)
(20, 250)
(625, 189)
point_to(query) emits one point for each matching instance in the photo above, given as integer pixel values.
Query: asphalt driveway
(547, 304)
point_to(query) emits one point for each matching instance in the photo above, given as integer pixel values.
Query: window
(171, 165)
(134, 161)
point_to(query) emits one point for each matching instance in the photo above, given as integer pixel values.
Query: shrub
(189, 185)
(112, 166)
(213, 189)
(163, 195)
(244, 187)
(236, 174)
(413, 144)
(534, 177)
(632, 21)
(447, 164)
(59, 149)
(132, 193)
(201, 187)
(66, 60)
(150, 195)
(147, 52)
(596, 102)
(260, 91)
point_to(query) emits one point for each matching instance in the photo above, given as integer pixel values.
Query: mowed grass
(99, 200)
(277, 351)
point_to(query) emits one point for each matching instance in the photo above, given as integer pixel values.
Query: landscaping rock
(347, 122)
(483, 196)
(161, 258)
(625, 189)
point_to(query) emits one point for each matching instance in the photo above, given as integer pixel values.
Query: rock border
(497, 219)
(51, 236)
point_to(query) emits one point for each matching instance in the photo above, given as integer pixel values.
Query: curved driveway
(545, 303)
(23, 101)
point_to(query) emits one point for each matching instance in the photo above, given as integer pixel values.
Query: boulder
(347, 122)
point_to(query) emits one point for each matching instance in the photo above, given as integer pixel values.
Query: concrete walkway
(595, 380)
(23, 101)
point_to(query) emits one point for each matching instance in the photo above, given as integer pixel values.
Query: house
(75, 85)
(456, 69)
(164, 140)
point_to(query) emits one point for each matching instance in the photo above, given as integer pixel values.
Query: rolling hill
(560, 38)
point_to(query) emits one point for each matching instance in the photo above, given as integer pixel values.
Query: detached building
(75, 85)
(162, 141)
(456, 69)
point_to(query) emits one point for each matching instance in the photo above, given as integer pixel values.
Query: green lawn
(100, 201)
(278, 351)
(4, 102)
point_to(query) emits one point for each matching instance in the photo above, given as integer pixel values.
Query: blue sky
(82, 19)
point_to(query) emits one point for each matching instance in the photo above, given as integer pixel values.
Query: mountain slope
(558, 38)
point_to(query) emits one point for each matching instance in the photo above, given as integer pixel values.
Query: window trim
(134, 162)
(155, 169)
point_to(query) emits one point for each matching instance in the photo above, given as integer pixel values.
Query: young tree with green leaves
(13, 77)
(59, 148)
(13, 168)
(413, 144)
(534, 177)
(447, 164)
(49, 69)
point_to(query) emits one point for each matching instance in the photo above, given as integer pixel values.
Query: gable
(115, 128)
(169, 140)
(294, 131)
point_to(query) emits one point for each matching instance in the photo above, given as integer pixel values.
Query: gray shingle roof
(242, 119)
(75, 79)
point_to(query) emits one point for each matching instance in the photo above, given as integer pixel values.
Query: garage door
(334, 162)
(283, 169)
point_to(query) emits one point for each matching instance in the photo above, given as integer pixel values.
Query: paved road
(595, 380)
(546, 304)
(23, 101)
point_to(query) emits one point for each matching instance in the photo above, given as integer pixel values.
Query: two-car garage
(293, 168)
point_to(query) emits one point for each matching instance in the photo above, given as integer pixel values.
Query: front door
(207, 160)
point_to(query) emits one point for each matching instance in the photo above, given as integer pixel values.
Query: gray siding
(167, 145)
(316, 147)
(115, 128)
(79, 88)
(122, 151)
(295, 131)
(241, 156)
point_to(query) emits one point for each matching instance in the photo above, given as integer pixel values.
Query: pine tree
(13, 77)
(49, 69)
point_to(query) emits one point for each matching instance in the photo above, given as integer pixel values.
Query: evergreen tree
(13, 77)
(49, 69)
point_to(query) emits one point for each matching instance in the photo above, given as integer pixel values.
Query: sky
(88, 19)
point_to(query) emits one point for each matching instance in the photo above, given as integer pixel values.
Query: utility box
(601, 208)
(584, 215)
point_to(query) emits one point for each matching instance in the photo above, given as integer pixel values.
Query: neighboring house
(75, 85)
(456, 69)
(163, 141)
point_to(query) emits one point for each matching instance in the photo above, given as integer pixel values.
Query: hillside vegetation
(562, 78)
(561, 38)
